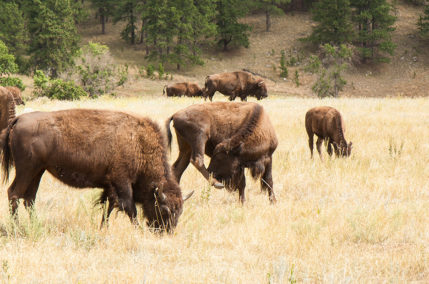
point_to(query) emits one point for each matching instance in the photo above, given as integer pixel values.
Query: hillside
(406, 75)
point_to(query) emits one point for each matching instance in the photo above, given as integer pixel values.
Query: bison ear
(237, 149)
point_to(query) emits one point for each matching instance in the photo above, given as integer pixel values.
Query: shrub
(284, 73)
(150, 69)
(12, 81)
(56, 89)
(160, 70)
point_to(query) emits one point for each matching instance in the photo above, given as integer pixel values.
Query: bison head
(261, 90)
(225, 164)
(344, 150)
(164, 216)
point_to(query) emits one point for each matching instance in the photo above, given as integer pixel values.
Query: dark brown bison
(235, 84)
(183, 89)
(16, 93)
(123, 154)
(327, 123)
(7, 108)
(235, 135)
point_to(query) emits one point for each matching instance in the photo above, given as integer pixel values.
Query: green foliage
(150, 70)
(7, 61)
(416, 2)
(160, 71)
(127, 10)
(229, 30)
(375, 26)
(57, 88)
(270, 7)
(12, 81)
(333, 19)
(423, 22)
(12, 27)
(296, 78)
(53, 35)
(314, 64)
(330, 81)
(284, 73)
(104, 8)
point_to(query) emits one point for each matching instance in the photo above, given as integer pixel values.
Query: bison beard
(246, 139)
(123, 154)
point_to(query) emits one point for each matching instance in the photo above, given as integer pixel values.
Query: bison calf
(183, 89)
(235, 84)
(7, 108)
(16, 93)
(125, 155)
(327, 123)
(235, 135)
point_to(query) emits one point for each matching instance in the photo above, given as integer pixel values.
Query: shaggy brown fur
(235, 84)
(16, 93)
(7, 108)
(183, 89)
(327, 123)
(235, 135)
(121, 153)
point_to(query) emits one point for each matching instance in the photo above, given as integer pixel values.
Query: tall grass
(362, 219)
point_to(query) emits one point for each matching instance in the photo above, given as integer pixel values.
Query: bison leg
(197, 159)
(106, 215)
(183, 160)
(329, 148)
(126, 201)
(310, 143)
(319, 146)
(241, 186)
(30, 194)
(267, 181)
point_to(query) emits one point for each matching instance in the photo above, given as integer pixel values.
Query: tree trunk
(102, 21)
(267, 20)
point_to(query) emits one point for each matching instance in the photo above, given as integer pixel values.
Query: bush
(150, 70)
(12, 81)
(284, 73)
(56, 89)
(160, 70)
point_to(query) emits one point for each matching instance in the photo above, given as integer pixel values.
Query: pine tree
(333, 19)
(53, 35)
(229, 30)
(270, 7)
(12, 28)
(104, 9)
(423, 22)
(126, 10)
(375, 23)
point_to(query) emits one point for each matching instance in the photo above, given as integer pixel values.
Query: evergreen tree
(53, 35)
(229, 30)
(203, 25)
(7, 61)
(126, 10)
(375, 23)
(12, 28)
(333, 19)
(270, 7)
(423, 22)
(104, 9)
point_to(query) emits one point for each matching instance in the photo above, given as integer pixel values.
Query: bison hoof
(218, 185)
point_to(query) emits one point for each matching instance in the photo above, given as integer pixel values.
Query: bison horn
(260, 83)
(188, 195)
(160, 195)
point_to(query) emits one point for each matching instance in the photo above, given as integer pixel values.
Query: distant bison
(183, 89)
(235, 84)
(16, 93)
(235, 135)
(125, 155)
(7, 108)
(327, 123)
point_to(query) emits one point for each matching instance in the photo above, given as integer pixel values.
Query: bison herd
(126, 155)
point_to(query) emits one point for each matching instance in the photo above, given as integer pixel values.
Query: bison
(16, 93)
(123, 154)
(7, 108)
(235, 84)
(183, 89)
(327, 123)
(235, 135)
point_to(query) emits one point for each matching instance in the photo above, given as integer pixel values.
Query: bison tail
(6, 155)
(167, 128)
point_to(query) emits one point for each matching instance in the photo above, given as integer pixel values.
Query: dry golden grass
(361, 220)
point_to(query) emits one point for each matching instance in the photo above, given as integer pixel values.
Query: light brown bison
(7, 108)
(235, 135)
(123, 154)
(16, 93)
(327, 123)
(183, 89)
(235, 84)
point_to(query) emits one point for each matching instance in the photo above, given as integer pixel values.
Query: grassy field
(361, 220)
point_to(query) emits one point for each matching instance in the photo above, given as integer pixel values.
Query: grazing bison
(235, 135)
(235, 84)
(16, 93)
(7, 108)
(327, 123)
(183, 89)
(123, 154)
